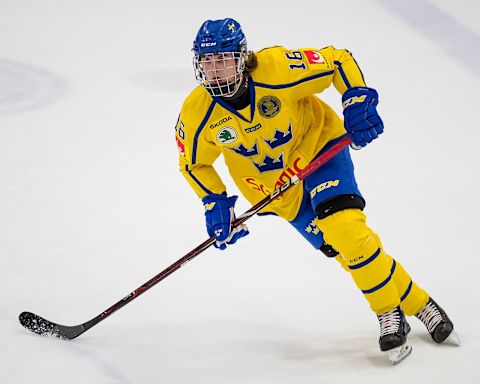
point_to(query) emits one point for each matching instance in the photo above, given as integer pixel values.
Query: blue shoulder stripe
(205, 189)
(288, 85)
(199, 130)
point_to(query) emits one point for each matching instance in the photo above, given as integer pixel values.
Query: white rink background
(92, 204)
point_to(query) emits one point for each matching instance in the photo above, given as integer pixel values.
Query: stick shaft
(39, 325)
(312, 167)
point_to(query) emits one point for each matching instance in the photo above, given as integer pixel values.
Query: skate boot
(393, 335)
(438, 324)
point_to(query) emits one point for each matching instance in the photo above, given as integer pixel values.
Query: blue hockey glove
(219, 215)
(361, 119)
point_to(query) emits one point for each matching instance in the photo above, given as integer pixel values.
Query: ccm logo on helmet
(208, 44)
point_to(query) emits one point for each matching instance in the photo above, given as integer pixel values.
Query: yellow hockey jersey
(274, 137)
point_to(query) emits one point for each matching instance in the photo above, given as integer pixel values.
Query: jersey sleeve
(346, 73)
(197, 153)
(307, 71)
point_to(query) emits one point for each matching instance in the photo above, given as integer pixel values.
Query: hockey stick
(42, 326)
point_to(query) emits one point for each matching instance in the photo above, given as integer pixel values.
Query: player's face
(219, 68)
(221, 74)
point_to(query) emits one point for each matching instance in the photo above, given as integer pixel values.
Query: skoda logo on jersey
(269, 106)
(220, 122)
(227, 135)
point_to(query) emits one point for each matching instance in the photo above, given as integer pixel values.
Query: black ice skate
(393, 335)
(438, 324)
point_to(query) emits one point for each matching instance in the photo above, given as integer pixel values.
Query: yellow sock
(411, 297)
(363, 255)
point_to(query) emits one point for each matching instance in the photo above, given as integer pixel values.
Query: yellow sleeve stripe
(361, 73)
(199, 130)
(342, 73)
(199, 183)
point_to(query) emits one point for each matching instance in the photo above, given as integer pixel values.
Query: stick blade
(44, 327)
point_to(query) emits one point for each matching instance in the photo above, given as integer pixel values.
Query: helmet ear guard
(220, 53)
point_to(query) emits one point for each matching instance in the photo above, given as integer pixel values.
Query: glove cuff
(223, 201)
(214, 197)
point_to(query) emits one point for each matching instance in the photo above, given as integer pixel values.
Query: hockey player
(259, 111)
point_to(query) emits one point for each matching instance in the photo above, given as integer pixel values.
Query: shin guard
(362, 252)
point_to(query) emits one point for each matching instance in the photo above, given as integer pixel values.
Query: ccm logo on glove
(354, 100)
(361, 119)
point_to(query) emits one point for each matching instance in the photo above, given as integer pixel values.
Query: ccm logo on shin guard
(321, 187)
(357, 259)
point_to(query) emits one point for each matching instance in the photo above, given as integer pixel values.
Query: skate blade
(397, 355)
(452, 339)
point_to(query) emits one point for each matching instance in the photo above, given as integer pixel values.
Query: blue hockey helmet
(220, 53)
(223, 35)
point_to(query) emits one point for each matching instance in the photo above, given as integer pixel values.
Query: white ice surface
(92, 204)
